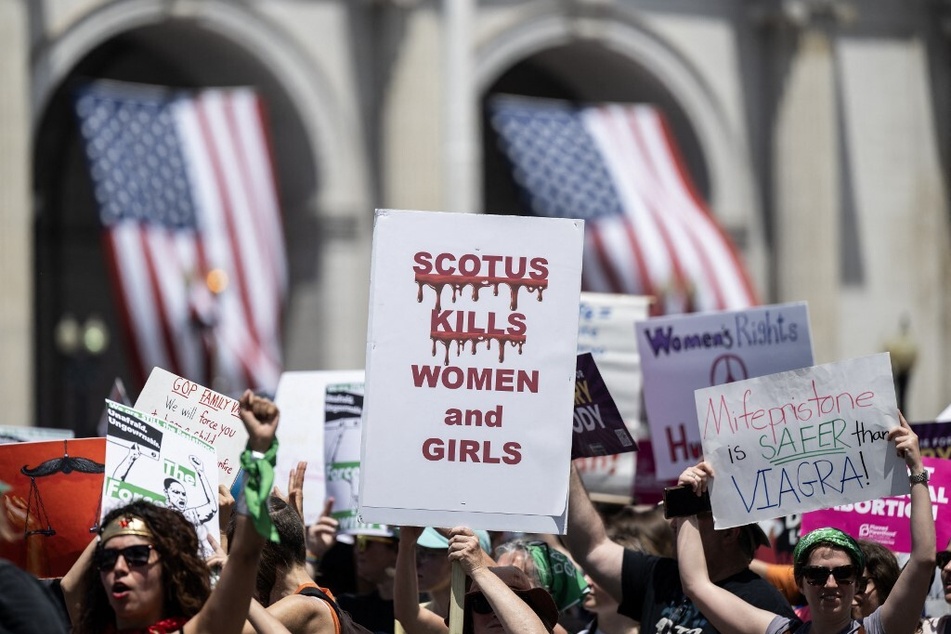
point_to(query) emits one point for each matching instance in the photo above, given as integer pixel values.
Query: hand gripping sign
(801, 440)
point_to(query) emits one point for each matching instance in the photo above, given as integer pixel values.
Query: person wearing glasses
(827, 564)
(376, 567)
(144, 572)
(500, 598)
(879, 577)
(940, 624)
(647, 587)
(423, 566)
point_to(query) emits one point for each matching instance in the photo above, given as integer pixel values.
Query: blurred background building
(816, 130)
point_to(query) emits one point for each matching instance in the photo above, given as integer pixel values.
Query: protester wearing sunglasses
(827, 565)
(940, 624)
(144, 572)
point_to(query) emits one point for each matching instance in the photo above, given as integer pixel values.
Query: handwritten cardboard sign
(53, 501)
(682, 353)
(801, 440)
(886, 520)
(606, 330)
(321, 423)
(599, 429)
(200, 411)
(148, 458)
(470, 370)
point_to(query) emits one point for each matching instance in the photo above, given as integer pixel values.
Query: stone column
(16, 235)
(807, 179)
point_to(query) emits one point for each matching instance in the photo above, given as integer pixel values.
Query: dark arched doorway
(71, 285)
(581, 72)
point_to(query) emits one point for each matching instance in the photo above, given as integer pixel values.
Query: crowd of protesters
(623, 573)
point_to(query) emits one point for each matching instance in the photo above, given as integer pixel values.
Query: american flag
(193, 230)
(616, 166)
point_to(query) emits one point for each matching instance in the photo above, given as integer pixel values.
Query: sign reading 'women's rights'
(470, 371)
(801, 440)
(683, 353)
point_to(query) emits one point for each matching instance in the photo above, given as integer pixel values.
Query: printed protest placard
(682, 353)
(606, 330)
(321, 423)
(599, 429)
(886, 520)
(52, 502)
(148, 458)
(210, 416)
(470, 370)
(801, 440)
(24, 433)
(934, 438)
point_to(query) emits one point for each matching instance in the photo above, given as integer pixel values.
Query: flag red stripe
(685, 178)
(160, 308)
(674, 214)
(224, 196)
(137, 368)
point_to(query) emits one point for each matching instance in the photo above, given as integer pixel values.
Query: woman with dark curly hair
(146, 574)
(160, 573)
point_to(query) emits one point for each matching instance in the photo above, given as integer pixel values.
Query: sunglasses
(135, 556)
(943, 558)
(363, 541)
(818, 575)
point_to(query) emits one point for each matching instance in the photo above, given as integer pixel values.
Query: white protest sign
(148, 458)
(682, 353)
(606, 330)
(210, 416)
(470, 370)
(320, 423)
(801, 440)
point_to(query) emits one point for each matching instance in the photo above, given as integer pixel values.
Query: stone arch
(189, 45)
(712, 147)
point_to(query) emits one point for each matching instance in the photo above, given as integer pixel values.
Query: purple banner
(599, 429)
(934, 438)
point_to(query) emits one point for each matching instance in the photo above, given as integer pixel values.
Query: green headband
(558, 575)
(826, 537)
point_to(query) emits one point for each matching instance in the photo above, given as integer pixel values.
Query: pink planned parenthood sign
(470, 374)
(801, 440)
(886, 520)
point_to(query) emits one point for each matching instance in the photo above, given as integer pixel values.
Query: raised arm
(320, 537)
(227, 607)
(73, 582)
(406, 608)
(727, 612)
(515, 616)
(902, 609)
(588, 541)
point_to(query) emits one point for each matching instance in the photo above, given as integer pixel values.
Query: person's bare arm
(902, 608)
(227, 608)
(406, 608)
(726, 611)
(320, 537)
(72, 583)
(515, 616)
(588, 541)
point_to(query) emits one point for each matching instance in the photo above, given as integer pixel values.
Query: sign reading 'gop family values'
(470, 370)
(801, 440)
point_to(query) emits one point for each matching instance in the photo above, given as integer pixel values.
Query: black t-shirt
(369, 610)
(652, 594)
